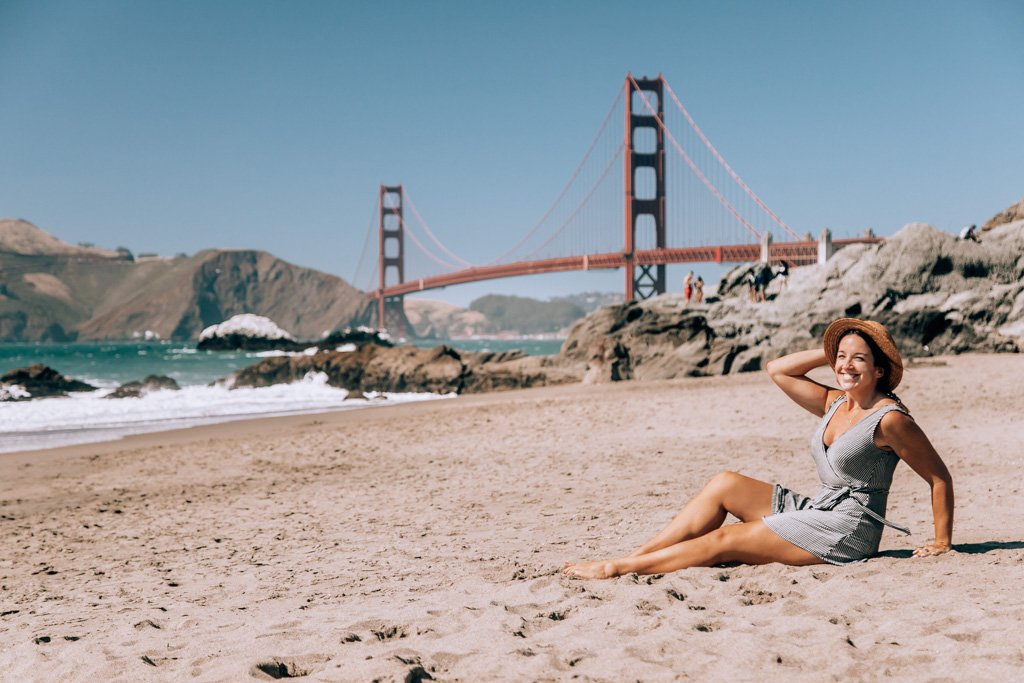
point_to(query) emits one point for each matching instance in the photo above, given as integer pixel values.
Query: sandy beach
(426, 541)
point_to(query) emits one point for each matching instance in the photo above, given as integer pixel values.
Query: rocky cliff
(51, 290)
(936, 294)
(1014, 212)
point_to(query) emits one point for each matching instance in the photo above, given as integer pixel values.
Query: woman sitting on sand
(865, 431)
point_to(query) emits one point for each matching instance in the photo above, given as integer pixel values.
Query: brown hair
(881, 361)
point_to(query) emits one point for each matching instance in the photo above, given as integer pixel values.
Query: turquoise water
(531, 347)
(112, 363)
(87, 417)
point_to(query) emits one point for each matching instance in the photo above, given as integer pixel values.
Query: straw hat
(878, 334)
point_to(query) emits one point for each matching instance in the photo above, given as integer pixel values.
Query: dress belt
(836, 495)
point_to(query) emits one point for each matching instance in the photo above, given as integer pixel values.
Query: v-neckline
(849, 429)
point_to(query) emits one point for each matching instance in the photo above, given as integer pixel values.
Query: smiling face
(855, 365)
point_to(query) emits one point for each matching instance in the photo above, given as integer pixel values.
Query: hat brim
(878, 334)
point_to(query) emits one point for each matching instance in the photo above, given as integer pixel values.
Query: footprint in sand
(646, 607)
(147, 623)
(566, 661)
(388, 632)
(288, 667)
(756, 596)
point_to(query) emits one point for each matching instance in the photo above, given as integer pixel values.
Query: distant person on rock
(764, 276)
(752, 285)
(698, 289)
(782, 273)
(688, 287)
(970, 232)
(864, 433)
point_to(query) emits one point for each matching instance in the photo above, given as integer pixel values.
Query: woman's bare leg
(728, 492)
(748, 542)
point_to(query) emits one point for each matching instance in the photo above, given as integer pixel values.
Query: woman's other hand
(931, 549)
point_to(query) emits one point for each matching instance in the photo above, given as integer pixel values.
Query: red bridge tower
(392, 258)
(646, 210)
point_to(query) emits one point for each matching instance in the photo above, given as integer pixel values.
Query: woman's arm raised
(790, 374)
(900, 433)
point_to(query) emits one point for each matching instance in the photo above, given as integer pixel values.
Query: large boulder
(357, 336)
(139, 389)
(38, 381)
(657, 338)
(442, 369)
(247, 332)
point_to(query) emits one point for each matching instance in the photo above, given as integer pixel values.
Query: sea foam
(88, 418)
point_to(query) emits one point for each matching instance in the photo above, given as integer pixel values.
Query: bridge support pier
(648, 204)
(825, 247)
(391, 310)
(766, 247)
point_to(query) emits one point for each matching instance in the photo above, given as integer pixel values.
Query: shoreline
(360, 545)
(246, 426)
(127, 430)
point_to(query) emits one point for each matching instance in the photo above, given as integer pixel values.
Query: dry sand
(365, 545)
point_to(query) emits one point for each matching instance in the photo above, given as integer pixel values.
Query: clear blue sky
(176, 126)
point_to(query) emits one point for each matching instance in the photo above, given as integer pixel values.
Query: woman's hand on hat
(931, 549)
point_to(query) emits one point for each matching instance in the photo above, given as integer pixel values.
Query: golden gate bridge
(677, 201)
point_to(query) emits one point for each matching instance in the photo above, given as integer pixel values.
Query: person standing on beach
(864, 433)
(688, 287)
(698, 289)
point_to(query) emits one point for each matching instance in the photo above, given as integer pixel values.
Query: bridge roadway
(796, 253)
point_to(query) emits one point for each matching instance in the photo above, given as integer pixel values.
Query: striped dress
(843, 522)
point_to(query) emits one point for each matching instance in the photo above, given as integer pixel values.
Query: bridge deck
(796, 253)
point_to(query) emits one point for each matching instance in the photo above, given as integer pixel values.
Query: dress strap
(835, 402)
(874, 420)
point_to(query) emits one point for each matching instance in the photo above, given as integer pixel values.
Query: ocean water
(88, 417)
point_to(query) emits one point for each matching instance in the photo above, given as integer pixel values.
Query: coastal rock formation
(139, 389)
(935, 293)
(357, 336)
(1014, 212)
(38, 381)
(54, 291)
(442, 370)
(246, 332)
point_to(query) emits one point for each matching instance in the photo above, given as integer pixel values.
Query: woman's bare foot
(601, 569)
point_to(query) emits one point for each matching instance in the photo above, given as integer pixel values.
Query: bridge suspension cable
(722, 161)
(411, 234)
(579, 206)
(565, 188)
(582, 227)
(362, 252)
(426, 228)
(693, 166)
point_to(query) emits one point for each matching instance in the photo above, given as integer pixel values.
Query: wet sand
(429, 538)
